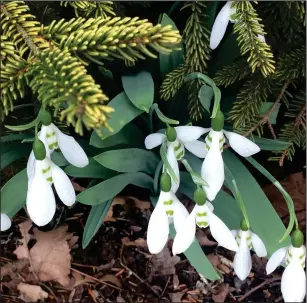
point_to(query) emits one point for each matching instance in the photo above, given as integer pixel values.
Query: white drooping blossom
(5, 222)
(221, 23)
(42, 173)
(203, 216)
(293, 280)
(247, 240)
(168, 209)
(177, 139)
(212, 170)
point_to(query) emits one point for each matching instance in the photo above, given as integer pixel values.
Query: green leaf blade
(108, 189)
(129, 160)
(139, 89)
(205, 96)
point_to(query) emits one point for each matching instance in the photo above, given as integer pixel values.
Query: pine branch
(91, 8)
(106, 38)
(196, 110)
(172, 82)
(292, 65)
(59, 78)
(248, 28)
(232, 73)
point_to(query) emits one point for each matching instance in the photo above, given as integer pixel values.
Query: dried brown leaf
(32, 293)
(77, 187)
(164, 263)
(112, 279)
(79, 279)
(222, 293)
(202, 237)
(176, 296)
(109, 216)
(140, 242)
(107, 266)
(216, 261)
(22, 251)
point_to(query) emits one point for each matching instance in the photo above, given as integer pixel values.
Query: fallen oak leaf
(202, 237)
(222, 293)
(32, 293)
(112, 279)
(22, 251)
(140, 242)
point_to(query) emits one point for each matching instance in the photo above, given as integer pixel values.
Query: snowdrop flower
(221, 23)
(212, 170)
(5, 222)
(168, 208)
(53, 138)
(177, 139)
(203, 216)
(42, 173)
(293, 280)
(247, 240)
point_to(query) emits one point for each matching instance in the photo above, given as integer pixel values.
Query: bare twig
(272, 130)
(257, 287)
(265, 118)
(166, 284)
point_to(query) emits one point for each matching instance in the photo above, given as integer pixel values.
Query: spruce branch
(58, 78)
(91, 8)
(232, 73)
(172, 82)
(248, 28)
(109, 38)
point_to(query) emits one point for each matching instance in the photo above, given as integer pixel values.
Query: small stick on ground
(257, 287)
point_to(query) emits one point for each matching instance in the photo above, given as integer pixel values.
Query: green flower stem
(210, 82)
(166, 163)
(287, 197)
(235, 190)
(162, 117)
(197, 179)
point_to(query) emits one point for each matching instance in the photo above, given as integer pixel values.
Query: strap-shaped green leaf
(14, 193)
(94, 221)
(108, 189)
(13, 151)
(129, 160)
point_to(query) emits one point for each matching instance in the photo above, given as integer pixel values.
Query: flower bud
(297, 238)
(200, 196)
(217, 123)
(46, 118)
(39, 149)
(171, 134)
(165, 182)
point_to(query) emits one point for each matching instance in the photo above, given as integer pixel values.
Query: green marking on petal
(302, 256)
(207, 146)
(202, 223)
(49, 179)
(209, 138)
(248, 238)
(287, 261)
(46, 170)
(221, 140)
(250, 246)
(176, 148)
(239, 237)
(169, 202)
(170, 212)
(180, 155)
(303, 264)
(201, 214)
(289, 254)
(50, 135)
(53, 145)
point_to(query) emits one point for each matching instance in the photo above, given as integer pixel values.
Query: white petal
(154, 140)
(5, 222)
(221, 233)
(235, 232)
(197, 148)
(185, 235)
(212, 170)
(63, 185)
(158, 229)
(210, 205)
(171, 158)
(180, 213)
(242, 262)
(31, 166)
(258, 245)
(71, 149)
(220, 26)
(190, 133)
(40, 200)
(293, 283)
(243, 146)
(276, 259)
